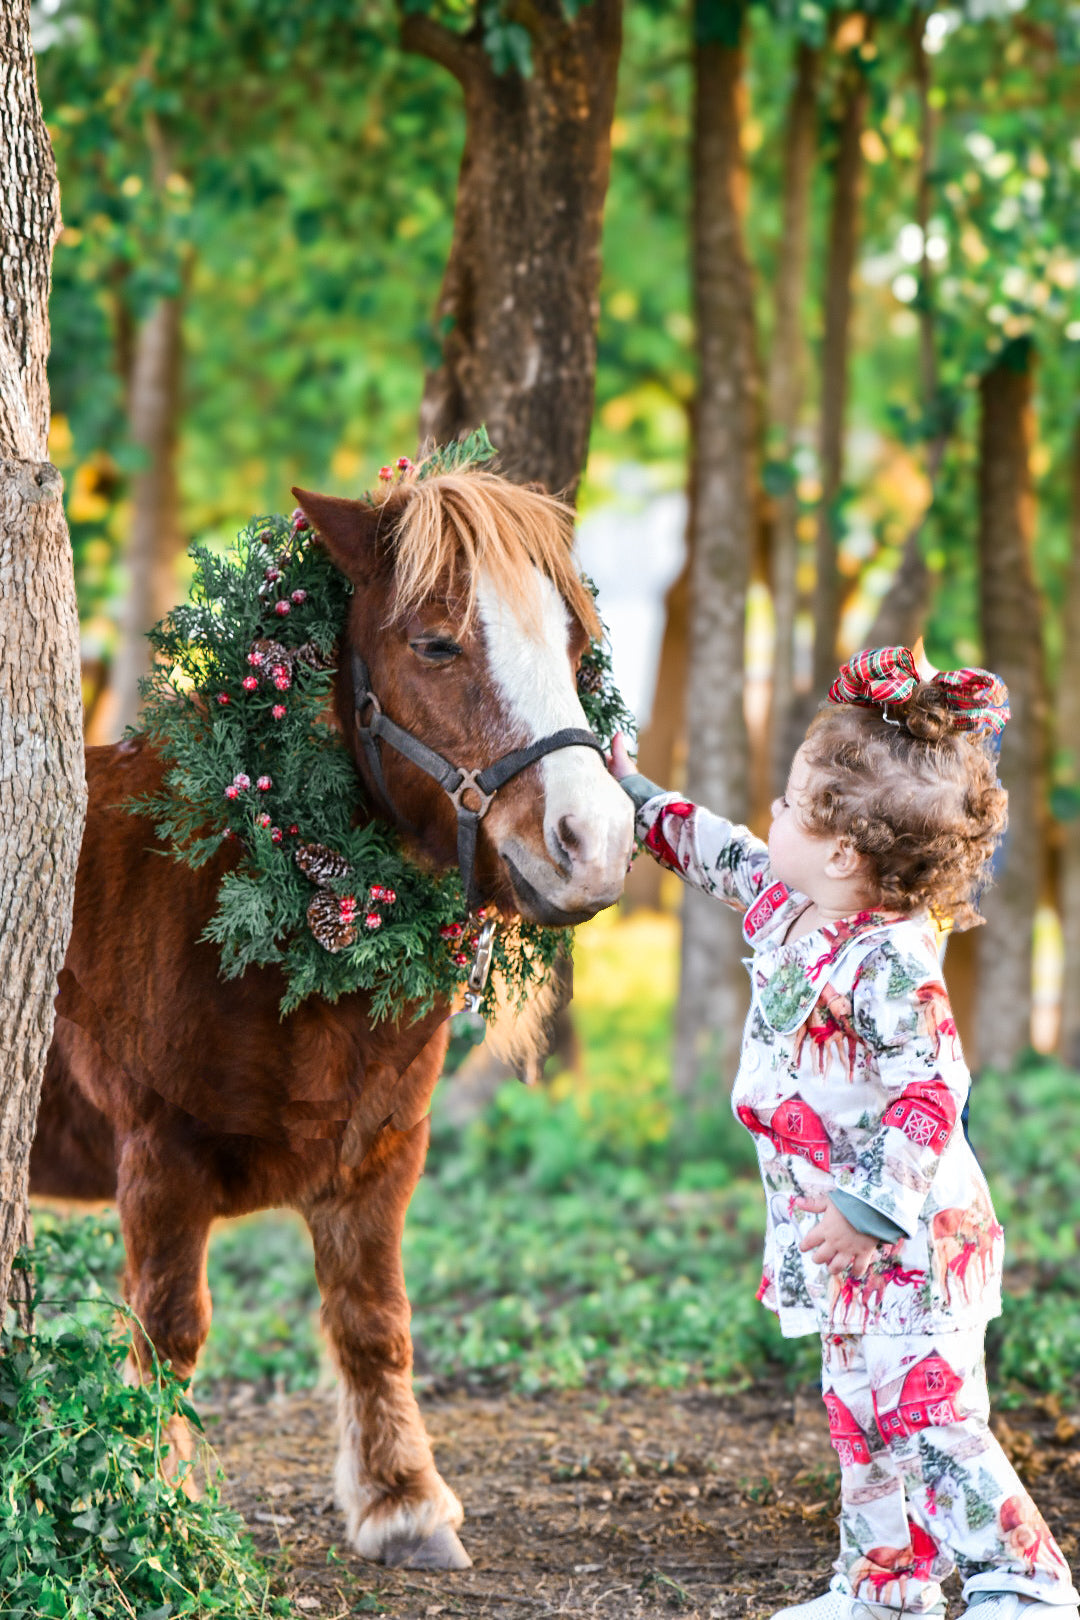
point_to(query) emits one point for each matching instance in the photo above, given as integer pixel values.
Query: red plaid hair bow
(977, 699)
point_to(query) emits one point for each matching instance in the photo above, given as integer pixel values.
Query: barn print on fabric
(925, 1487)
(851, 1077)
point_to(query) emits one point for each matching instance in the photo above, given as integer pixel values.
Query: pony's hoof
(440, 1550)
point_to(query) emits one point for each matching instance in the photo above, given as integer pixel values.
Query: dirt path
(640, 1505)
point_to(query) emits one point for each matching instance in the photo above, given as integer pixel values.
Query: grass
(592, 1231)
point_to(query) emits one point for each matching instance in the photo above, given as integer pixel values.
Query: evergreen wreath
(235, 705)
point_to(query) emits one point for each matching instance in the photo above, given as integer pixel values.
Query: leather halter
(453, 779)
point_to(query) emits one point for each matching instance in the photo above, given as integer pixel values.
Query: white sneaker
(838, 1604)
(1016, 1606)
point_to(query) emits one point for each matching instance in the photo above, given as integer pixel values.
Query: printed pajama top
(851, 1076)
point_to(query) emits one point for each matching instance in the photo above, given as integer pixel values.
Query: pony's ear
(356, 535)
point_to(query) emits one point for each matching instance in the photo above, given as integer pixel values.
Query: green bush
(89, 1528)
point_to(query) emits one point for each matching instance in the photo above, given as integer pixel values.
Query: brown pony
(186, 1098)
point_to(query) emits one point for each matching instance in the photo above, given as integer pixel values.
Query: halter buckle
(468, 780)
(481, 966)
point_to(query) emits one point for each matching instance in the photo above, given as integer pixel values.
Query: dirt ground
(642, 1504)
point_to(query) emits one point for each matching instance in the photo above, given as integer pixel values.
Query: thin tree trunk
(155, 537)
(1011, 616)
(1068, 740)
(520, 298)
(42, 786)
(786, 383)
(839, 277)
(712, 992)
(902, 610)
(660, 741)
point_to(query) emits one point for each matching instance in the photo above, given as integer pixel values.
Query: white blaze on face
(588, 819)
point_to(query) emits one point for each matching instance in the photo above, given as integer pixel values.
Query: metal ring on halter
(468, 780)
(376, 707)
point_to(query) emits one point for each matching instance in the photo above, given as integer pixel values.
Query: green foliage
(89, 1529)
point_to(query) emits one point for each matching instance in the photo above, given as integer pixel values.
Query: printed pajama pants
(925, 1487)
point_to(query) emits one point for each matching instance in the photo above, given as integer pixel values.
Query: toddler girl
(880, 1234)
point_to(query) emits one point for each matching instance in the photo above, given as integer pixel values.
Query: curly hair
(920, 801)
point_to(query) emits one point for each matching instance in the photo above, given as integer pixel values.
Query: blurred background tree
(837, 306)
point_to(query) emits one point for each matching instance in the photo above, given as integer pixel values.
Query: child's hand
(834, 1241)
(620, 764)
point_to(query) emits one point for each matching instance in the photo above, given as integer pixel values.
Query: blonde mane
(454, 524)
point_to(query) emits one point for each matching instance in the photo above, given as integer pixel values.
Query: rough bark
(520, 299)
(1011, 616)
(42, 788)
(155, 537)
(1068, 741)
(786, 387)
(712, 983)
(843, 244)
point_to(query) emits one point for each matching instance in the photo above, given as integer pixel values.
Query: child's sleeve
(901, 1012)
(706, 851)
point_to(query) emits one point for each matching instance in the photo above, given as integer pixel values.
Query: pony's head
(469, 618)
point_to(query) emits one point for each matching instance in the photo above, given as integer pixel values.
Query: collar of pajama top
(787, 979)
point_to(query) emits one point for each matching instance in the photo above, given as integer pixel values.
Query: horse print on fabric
(965, 1244)
(187, 1098)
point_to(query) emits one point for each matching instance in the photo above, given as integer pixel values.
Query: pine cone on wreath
(310, 655)
(590, 679)
(273, 652)
(331, 922)
(320, 864)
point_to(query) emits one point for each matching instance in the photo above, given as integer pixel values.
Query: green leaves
(89, 1528)
(508, 44)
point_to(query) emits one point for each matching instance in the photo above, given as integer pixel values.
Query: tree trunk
(520, 299)
(712, 990)
(155, 537)
(1011, 617)
(902, 610)
(42, 787)
(659, 743)
(1068, 741)
(787, 381)
(839, 276)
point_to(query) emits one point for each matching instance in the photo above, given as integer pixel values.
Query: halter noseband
(453, 779)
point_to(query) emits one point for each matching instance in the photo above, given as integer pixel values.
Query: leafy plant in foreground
(89, 1528)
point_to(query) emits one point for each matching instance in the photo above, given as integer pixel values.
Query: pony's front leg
(398, 1509)
(166, 1227)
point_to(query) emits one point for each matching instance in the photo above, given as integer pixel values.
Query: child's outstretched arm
(704, 849)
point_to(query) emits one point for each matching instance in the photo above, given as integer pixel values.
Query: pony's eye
(435, 649)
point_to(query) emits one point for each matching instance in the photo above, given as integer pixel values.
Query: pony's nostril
(569, 835)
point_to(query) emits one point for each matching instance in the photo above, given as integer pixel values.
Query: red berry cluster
(453, 933)
(379, 894)
(401, 466)
(280, 675)
(240, 783)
